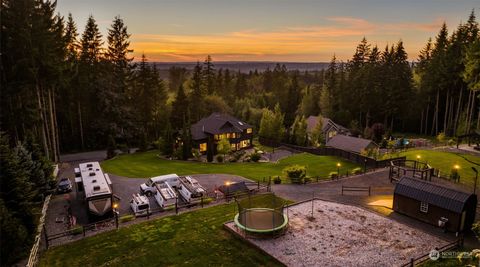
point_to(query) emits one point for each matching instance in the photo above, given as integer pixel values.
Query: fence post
(83, 230)
(258, 185)
(342, 190)
(369, 191)
(116, 219)
(201, 201)
(412, 262)
(46, 236)
(176, 205)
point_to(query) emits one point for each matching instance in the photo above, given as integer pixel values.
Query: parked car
(64, 185)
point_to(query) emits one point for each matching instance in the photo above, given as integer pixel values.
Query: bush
(476, 229)
(77, 230)
(333, 175)
(296, 173)
(277, 180)
(454, 175)
(357, 170)
(219, 158)
(126, 218)
(441, 137)
(255, 157)
(207, 200)
(196, 154)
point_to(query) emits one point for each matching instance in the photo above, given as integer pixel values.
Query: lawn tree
(317, 137)
(328, 102)
(223, 147)
(471, 76)
(293, 100)
(299, 131)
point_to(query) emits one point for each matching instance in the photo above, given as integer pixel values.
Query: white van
(165, 196)
(148, 188)
(191, 190)
(140, 205)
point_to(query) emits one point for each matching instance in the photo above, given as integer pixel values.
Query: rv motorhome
(165, 196)
(95, 187)
(190, 190)
(148, 188)
(140, 205)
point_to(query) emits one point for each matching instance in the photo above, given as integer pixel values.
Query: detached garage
(435, 204)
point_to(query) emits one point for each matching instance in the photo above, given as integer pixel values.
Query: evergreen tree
(209, 75)
(197, 93)
(180, 107)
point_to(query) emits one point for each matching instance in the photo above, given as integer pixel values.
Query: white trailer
(165, 196)
(191, 190)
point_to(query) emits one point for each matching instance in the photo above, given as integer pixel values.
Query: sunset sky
(270, 30)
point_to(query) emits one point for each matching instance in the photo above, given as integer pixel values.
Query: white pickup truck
(165, 196)
(149, 189)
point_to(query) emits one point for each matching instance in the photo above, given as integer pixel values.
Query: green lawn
(195, 238)
(148, 164)
(445, 162)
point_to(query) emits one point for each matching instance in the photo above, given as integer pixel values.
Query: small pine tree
(111, 147)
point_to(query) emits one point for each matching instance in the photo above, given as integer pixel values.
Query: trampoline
(261, 214)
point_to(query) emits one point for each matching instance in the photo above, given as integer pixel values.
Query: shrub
(126, 218)
(196, 154)
(357, 170)
(255, 157)
(219, 158)
(441, 137)
(333, 175)
(77, 230)
(476, 229)
(295, 173)
(454, 175)
(277, 180)
(207, 200)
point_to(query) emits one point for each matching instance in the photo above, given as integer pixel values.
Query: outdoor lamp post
(338, 169)
(227, 186)
(365, 166)
(476, 177)
(115, 213)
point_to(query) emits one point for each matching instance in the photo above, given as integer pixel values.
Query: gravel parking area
(344, 235)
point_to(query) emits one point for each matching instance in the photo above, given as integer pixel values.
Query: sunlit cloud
(307, 43)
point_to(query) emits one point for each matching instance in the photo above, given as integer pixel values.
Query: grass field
(148, 164)
(195, 238)
(444, 161)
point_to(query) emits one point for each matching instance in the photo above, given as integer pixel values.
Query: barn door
(462, 222)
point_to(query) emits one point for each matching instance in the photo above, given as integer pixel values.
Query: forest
(66, 89)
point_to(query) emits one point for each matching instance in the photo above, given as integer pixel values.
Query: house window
(203, 147)
(233, 146)
(424, 207)
(244, 143)
(332, 134)
(249, 130)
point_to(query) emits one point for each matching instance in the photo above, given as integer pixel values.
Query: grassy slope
(445, 162)
(190, 239)
(148, 164)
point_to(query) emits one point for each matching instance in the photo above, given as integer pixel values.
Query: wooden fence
(356, 189)
(419, 260)
(33, 258)
(366, 162)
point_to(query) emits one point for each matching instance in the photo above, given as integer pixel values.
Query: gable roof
(217, 123)
(349, 143)
(312, 122)
(431, 193)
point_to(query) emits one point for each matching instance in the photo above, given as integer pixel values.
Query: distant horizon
(269, 30)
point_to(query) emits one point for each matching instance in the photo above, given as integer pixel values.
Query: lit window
(249, 130)
(203, 147)
(424, 207)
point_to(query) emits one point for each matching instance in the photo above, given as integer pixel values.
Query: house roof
(349, 143)
(312, 122)
(433, 194)
(217, 123)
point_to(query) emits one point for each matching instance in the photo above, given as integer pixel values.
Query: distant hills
(246, 66)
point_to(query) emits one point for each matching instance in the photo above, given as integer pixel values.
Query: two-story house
(218, 126)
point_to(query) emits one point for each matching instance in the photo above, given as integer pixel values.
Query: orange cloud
(308, 43)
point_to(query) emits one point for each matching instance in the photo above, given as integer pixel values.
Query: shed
(433, 203)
